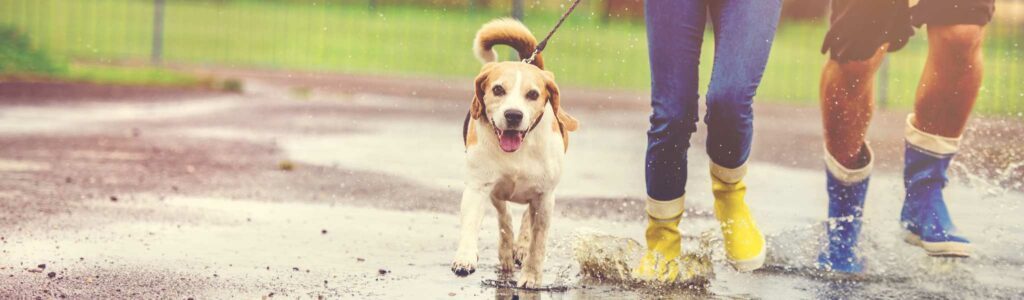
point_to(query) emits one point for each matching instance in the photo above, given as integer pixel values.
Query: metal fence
(432, 38)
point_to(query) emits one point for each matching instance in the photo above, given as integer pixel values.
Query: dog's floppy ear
(567, 121)
(477, 108)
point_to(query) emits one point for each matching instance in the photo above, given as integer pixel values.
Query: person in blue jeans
(744, 31)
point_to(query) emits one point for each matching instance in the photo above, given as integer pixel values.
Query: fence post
(883, 84)
(157, 52)
(517, 9)
(518, 14)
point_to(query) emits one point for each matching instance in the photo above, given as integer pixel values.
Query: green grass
(436, 42)
(105, 74)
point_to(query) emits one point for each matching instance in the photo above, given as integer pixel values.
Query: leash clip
(543, 43)
(532, 57)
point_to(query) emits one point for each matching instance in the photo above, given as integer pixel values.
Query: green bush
(19, 59)
(17, 56)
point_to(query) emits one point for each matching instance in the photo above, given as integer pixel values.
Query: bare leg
(505, 237)
(949, 86)
(533, 268)
(952, 76)
(523, 242)
(847, 101)
(472, 213)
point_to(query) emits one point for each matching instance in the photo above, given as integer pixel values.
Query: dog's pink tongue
(510, 141)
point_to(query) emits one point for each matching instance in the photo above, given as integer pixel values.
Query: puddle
(7, 165)
(91, 116)
(248, 248)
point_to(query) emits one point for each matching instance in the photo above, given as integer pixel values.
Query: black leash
(544, 42)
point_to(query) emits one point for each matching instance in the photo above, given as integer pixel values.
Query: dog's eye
(532, 95)
(498, 90)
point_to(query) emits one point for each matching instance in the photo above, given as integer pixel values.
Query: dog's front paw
(529, 279)
(519, 253)
(464, 264)
(506, 261)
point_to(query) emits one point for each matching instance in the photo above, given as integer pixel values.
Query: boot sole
(751, 264)
(940, 249)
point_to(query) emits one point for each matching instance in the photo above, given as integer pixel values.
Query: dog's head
(512, 97)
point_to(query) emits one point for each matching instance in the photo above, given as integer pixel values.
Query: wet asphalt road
(286, 192)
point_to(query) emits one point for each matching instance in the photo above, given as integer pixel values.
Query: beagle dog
(516, 135)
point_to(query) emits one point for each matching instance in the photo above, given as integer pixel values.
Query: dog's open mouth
(510, 140)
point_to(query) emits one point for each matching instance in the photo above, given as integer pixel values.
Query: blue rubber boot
(846, 192)
(925, 216)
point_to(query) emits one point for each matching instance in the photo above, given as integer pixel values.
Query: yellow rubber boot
(744, 243)
(661, 261)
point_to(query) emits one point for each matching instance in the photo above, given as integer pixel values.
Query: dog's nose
(513, 116)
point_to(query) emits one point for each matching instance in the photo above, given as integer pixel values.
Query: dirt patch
(40, 92)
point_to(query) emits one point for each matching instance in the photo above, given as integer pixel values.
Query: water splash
(611, 259)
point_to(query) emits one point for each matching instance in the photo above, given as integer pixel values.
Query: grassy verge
(20, 60)
(105, 74)
(312, 35)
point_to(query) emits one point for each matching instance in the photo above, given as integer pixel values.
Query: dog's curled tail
(505, 31)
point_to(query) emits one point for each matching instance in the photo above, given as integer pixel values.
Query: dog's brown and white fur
(509, 161)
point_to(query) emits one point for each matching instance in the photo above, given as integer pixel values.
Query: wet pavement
(298, 192)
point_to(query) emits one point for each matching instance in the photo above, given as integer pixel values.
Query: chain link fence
(602, 45)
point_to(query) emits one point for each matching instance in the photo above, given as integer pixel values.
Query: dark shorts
(859, 27)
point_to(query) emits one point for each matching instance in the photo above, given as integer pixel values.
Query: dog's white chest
(522, 189)
(519, 177)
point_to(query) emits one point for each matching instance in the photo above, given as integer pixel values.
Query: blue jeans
(744, 30)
